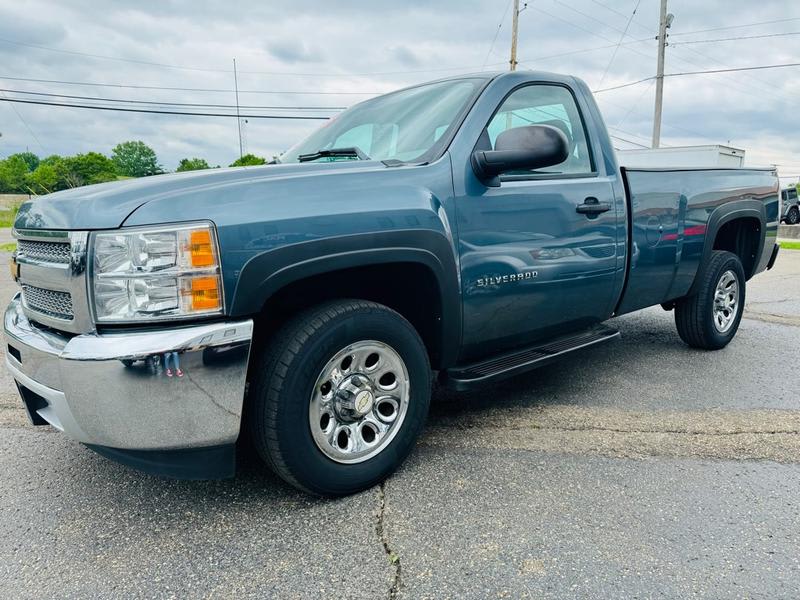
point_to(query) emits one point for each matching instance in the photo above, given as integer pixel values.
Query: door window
(544, 105)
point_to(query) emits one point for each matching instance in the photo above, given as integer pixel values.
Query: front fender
(266, 273)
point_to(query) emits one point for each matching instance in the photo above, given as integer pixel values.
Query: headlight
(155, 273)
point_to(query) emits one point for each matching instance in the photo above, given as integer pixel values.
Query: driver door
(532, 266)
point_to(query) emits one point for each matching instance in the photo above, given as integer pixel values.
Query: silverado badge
(498, 279)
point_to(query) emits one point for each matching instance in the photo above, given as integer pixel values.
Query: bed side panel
(676, 214)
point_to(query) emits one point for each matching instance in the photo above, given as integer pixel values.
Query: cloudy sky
(315, 55)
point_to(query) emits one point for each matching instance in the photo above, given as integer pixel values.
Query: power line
(616, 137)
(624, 85)
(736, 26)
(583, 50)
(736, 69)
(588, 16)
(635, 103)
(679, 46)
(707, 72)
(621, 37)
(605, 99)
(741, 26)
(589, 31)
(629, 133)
(188, 89)
(743, 37)
(114, 58)
(622, 14)
(161, 112)
(24, 122)
(731, 84)
(496, 33)
(161, 103)
(227, 71)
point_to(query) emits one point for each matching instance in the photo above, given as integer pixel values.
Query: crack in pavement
(753, 302)
(670, 431)
(780, 447)
(734, 435)
(772, 318)
(392, 556)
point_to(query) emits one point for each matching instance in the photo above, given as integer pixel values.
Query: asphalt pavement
(637, 469)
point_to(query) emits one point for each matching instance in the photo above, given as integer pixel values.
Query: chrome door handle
(592, 207)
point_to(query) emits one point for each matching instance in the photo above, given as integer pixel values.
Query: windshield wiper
(350, 152)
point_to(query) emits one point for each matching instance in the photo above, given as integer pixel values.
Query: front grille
(51, 252)
(52, 274)
(49, 302)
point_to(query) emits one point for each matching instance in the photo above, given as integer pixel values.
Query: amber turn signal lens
(201, 248)
(205, 293)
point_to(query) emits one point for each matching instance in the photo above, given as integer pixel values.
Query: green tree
(248, 160)
(85, 169)
(135, 159)
(192, 164)
(60, 168)
(13, 171)
(30, 159)
(52, 160)
(44, 180)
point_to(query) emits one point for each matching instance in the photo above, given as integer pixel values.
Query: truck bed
(674, 218)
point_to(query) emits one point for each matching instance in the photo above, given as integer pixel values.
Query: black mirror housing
(528, 147)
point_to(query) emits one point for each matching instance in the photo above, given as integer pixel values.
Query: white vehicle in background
(790, 206)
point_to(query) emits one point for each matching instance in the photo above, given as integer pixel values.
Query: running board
(520, 361)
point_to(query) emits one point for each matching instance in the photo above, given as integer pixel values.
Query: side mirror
(528, 147)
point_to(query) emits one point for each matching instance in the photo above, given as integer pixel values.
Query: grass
(7, 217)
(789, 245)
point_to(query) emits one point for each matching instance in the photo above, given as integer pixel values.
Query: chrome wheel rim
(726, 301)
(359, 402)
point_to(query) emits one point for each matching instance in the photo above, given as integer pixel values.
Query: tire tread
(272, 368)
(692, 312)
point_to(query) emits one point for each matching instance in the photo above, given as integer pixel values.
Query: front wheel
(710, 318)
(793, 216)
(339, 397)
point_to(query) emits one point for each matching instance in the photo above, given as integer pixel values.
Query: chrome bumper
(111, 389)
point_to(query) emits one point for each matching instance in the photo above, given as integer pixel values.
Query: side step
(519, 361)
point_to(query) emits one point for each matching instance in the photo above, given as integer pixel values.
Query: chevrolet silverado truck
(471, 228)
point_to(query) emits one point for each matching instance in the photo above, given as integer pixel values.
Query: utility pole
(514, 26)
(665, 21)
(238, 117)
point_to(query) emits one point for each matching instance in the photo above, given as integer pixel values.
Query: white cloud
(400, 44)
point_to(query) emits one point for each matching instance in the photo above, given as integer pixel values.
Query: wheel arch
(738, 227)
(412, 272)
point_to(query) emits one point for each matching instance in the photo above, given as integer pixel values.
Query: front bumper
(111, 390)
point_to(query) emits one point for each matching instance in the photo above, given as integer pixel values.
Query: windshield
(408, 125)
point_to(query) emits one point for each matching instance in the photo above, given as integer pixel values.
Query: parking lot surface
(641, 468)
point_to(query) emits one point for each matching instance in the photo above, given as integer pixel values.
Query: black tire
(694, 315)
(285, 375)
(793, 216)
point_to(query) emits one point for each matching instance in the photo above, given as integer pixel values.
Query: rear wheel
(340, 396)
(793, 216)
(710, 318)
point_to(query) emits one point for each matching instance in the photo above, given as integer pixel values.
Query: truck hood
(108, 205)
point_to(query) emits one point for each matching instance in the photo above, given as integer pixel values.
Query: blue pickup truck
(472, 228)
